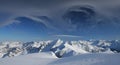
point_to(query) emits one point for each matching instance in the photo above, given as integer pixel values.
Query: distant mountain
(59, 47)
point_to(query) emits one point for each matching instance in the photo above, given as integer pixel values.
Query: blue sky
(43, 20)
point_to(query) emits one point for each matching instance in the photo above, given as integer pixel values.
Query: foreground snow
(29, 59)
(50, 59)
(90, 59)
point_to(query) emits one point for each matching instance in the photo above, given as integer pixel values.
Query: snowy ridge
(59, 47)
(89, 59)
(48, 59)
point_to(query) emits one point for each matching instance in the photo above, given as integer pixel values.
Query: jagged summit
(59, 47)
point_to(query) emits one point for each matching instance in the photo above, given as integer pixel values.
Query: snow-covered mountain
(59, 47)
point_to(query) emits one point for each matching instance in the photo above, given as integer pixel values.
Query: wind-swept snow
(50, 59)
(29, 59)
(90, 59)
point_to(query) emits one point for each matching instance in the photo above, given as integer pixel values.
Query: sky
(31, 20)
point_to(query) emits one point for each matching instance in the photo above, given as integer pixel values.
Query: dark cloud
(66, 16)
(80, 15)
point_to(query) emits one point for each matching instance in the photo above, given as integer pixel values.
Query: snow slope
(50, 59)
(90, 59)
(29, 59)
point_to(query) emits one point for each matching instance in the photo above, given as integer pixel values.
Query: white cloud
(73, 36)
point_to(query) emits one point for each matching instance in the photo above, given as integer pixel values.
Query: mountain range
(59, 48)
